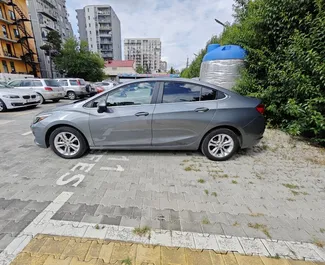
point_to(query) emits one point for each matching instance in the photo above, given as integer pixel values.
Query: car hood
(18, 92)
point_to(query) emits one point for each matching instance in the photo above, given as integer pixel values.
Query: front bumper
(20, 102)
(39, 133)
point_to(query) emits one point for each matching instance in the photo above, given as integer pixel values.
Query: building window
(4, 31)
(89, 25)
(13, 69)
(89, 17)
(5, 67)
(1, 15)
(16, 33)
(12, 15)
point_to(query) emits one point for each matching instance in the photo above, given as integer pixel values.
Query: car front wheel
(2, 106)
(220, 144)
(68, 143)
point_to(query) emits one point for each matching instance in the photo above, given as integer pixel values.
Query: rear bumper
(253, 132)
(53, 95)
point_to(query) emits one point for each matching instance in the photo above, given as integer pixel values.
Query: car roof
(185, 80)
(68, 78)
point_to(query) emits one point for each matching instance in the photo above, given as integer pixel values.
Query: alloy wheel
(221, 145)
(67, 143)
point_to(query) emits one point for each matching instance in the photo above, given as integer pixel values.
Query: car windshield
(52, 82)
(5, 85)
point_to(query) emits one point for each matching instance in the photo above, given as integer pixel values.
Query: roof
(116, 63)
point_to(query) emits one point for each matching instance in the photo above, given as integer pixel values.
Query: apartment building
(17, 46)
(145, 52)
(163, 66)
(101, 28)
(48, 15)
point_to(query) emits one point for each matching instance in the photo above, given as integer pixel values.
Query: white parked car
(47, 89)
(74, 87)
(106, 85)
(13, 98)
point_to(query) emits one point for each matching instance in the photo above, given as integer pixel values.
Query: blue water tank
(221, 65)
(227, 52)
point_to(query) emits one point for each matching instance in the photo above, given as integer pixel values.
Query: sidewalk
(60, 250)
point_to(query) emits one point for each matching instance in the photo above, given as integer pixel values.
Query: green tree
(172, 71)
(139, 69)
(77, 61)
(53, 42)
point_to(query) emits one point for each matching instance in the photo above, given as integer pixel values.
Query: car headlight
(40, 117)
(10, 96)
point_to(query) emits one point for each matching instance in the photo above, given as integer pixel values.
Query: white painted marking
(35, 227)
(62, 182)
(27, 133)
(118, 168)
(95, 158)
(3, 122)
(122, 158)
(83, 167)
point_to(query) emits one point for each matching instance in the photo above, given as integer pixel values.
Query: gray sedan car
(154, 114)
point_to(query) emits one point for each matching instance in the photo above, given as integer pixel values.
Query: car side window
(63, 82)
(181, 92)
(73, 82)
(94, 102)
(132, 94)
(26, 83)
(208, 94)
(37, 83)
(15, 83)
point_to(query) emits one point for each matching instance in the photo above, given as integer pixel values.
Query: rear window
(63, 82)
(82, 82)
(51, 82)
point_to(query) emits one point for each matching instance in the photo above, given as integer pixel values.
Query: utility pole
(187, 63)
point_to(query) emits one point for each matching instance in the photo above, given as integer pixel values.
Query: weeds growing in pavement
(205, 221)
(201, 181)
(260, 227)
(126, 261)
(142, 231)
(318, 243)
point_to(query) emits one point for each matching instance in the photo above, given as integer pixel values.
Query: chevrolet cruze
(154, 114)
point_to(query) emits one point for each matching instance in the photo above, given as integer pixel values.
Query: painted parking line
(27, 133)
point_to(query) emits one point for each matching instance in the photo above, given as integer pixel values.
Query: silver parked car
(154, 114)
(47, 89)
(13, 98)
(74, 87)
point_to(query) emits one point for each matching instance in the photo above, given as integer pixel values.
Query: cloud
(184, 26)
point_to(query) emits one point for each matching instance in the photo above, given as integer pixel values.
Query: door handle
(141, 114)
(201, 110)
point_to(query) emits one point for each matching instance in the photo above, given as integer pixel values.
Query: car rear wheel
(220, 144)
(68, 143)
(56, 100)
(71, 95)
(2, 106)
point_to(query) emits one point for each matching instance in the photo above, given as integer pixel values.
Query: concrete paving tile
(76, 249)
(14, 228)
(111, 220)
(92, 219)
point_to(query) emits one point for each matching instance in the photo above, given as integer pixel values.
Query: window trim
(161, 92)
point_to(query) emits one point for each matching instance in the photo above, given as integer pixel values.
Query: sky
(184, 26)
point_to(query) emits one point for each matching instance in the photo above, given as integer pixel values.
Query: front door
(128, 119)
(183, 113)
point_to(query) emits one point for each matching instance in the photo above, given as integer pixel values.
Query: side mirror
(102, 107)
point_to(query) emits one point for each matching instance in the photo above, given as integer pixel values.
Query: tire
(57, 140)
(71, 95)
(42, 99)
(212, 143)
(3, 107)
(56, 100)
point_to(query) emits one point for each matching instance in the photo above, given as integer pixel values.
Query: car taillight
(48, 89)
(78, 82)
(260, 108)
(100, 89)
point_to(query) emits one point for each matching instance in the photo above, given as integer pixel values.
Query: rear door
(64, 83)
(183, 113)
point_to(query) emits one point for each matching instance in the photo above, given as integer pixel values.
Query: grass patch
(317, 161)
(191, 168)
(201, 181)
(250, 182)
(235, 224)
(224, 176)
(291, 186)
(214, 194)
(236, 177)
(322, 230)
(295, 193)
(274, 257)
(304, 193)
(205, 221)
(206, 192)
(260, 227)
(259, 176)
(290, 199)
(318, 243)
(256, 214)
(234, 182)
(142, 231)
(126, 261)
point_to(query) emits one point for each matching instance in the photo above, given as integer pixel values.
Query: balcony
(5, 20)
(10, 56)
(105, 28)
(104, 21)
(48, 13)
(5, 38)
